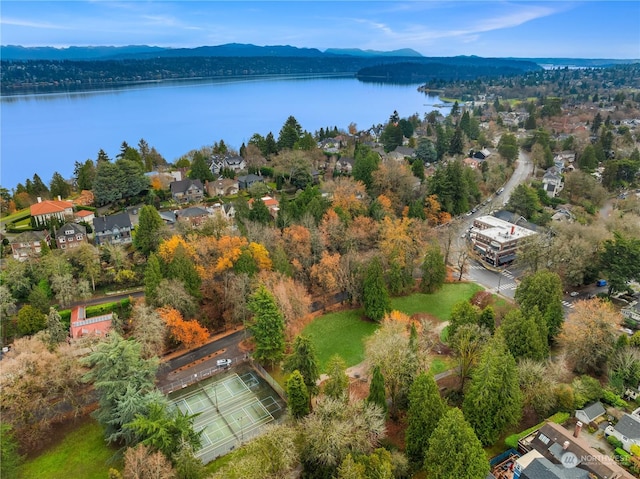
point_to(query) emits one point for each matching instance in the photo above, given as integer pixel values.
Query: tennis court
(232, 408)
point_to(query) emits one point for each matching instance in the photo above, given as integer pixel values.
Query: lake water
(50, 132)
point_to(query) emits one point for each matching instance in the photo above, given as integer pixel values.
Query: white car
(574, 294)
(223, 363)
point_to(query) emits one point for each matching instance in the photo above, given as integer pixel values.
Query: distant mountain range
(132, 52)
(239, 50)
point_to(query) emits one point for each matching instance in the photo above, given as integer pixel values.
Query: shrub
(613, 399)
(614, 441)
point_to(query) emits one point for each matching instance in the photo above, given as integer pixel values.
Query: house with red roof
(83, 326)
(84, 216)
(271, 203)
(43, 211)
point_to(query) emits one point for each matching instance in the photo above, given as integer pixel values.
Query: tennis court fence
(200, 375)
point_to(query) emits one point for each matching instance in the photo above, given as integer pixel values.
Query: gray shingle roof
(594, 411)
(183, 185)
(542, 468)
(628, 426)
(108, 223)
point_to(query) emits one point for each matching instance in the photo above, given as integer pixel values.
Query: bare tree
(141, 462)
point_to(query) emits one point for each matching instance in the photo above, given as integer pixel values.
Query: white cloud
(15, 22)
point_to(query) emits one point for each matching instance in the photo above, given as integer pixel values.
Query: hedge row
(120, 307)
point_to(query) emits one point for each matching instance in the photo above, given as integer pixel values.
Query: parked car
(223, 363)
(601, 282)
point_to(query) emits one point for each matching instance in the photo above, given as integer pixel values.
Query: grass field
(340, 333)
(80, 453)
(438, 304)
(344, 332)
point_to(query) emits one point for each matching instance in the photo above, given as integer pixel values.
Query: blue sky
(517, 28)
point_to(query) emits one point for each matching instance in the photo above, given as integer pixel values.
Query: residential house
(194, 215)
(590, 413)
(552, 182)
(272, 205)
(559, 446)
(228, 161)
(29, 244)
(330, 145)
(84, 216)
(83, 326)
(245, 182)
(400, 153)
(222, 187)
(627, 430)
(43, 211)
(169, 217)
(482, 154)
(71, 235)
(631, 314)
(187, 191)
(565, 157)
(235, 163)
(534, 465)
(344, 165)
(114, 229)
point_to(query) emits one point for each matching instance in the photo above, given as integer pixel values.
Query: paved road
(504, 281)
(200, 359)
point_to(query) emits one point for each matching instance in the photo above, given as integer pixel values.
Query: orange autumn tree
(188, 333)
(167, 248)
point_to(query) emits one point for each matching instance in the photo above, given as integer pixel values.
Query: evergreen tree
(377, 391)
(463, 312)
(493, 400)
(426, 408)
(434, 271)
(417, 168)
(304, 359)
(259, 212)
(365, 162)
(10, 458)
(147, 237)
(84, 174)
(455, 451)
(122, 380)
(375, 296)
(59, 187)
(337, 384)
(526, 334)
(456, 147)
(200, 168)
(290, 133)
(487, 319)
(543, 290)
(270, 145)
(298, 395)
(57, 331)
(426, 151)
(588, 161)
(267, 326)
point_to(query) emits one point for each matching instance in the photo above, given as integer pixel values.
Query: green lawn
(81, 453)
(340, 333)
(344, 332)
(438, 304)
(440, 365)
